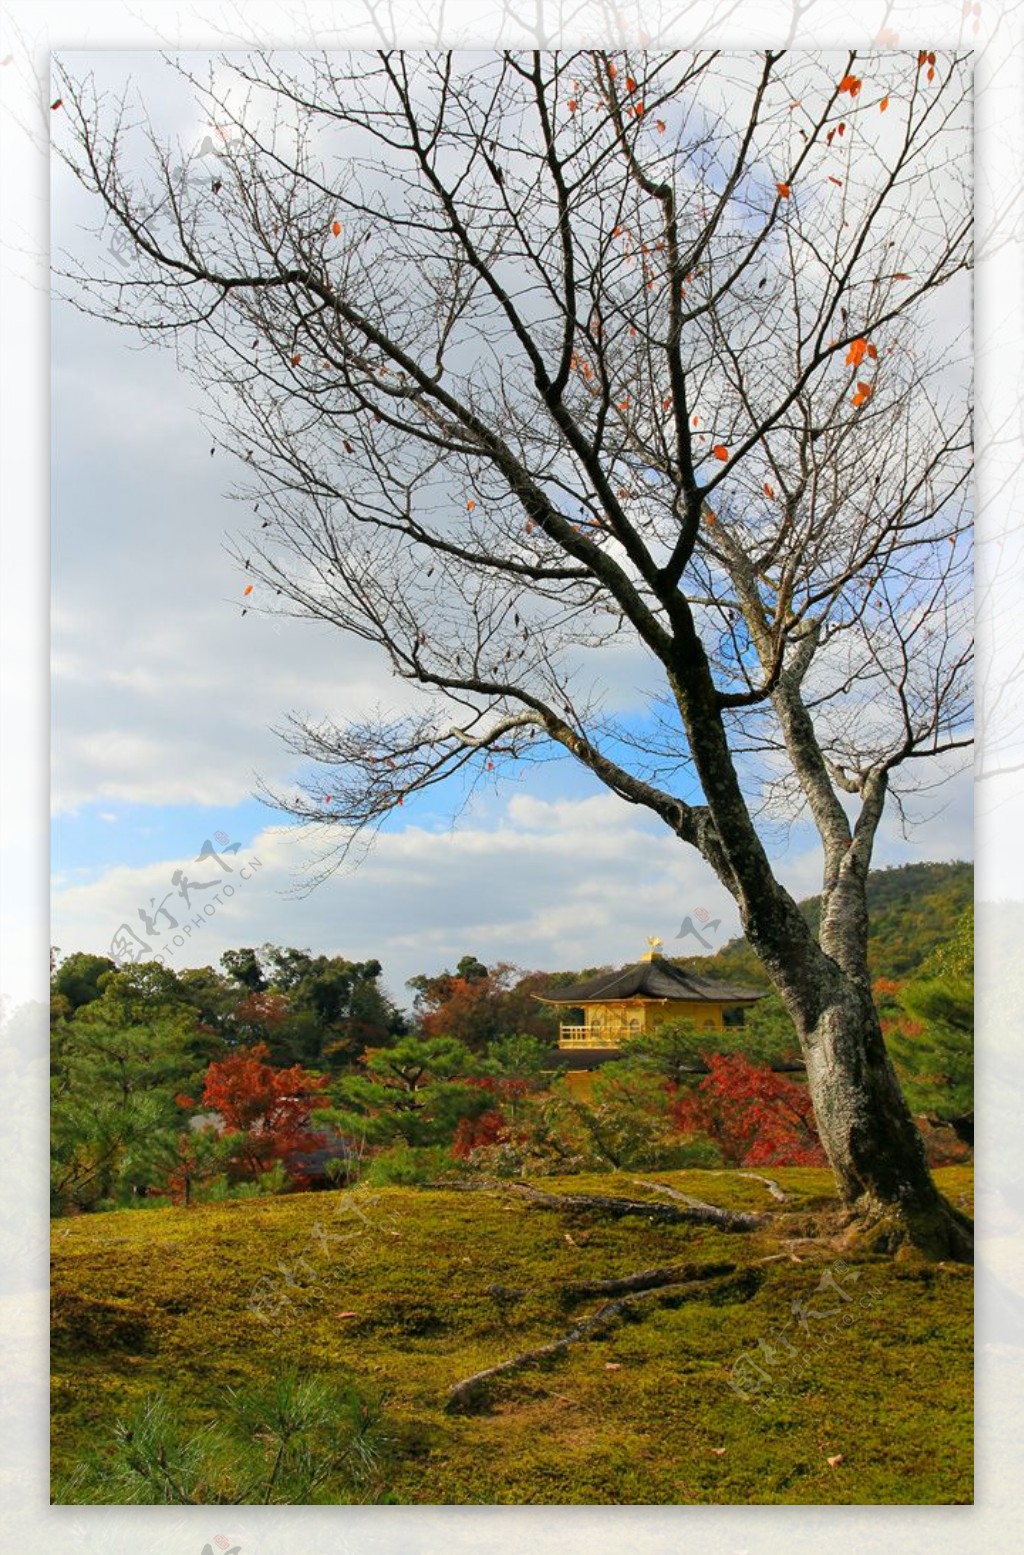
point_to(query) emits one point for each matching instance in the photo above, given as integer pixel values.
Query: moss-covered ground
(742, 1395)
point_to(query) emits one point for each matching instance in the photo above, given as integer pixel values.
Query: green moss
(407, 1291)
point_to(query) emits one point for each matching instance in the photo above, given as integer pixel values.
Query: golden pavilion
(607, 1010)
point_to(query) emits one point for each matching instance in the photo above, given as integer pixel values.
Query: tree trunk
(865, 1126)
(864, 1123)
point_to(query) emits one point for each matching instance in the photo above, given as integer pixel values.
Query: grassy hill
(403, 1292)
(913, 909)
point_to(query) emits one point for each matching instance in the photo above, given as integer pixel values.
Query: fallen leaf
(834, 1461)
(719, 1452)
(613, 1365)
(720, 452)
(346, 1314)
(783, 191)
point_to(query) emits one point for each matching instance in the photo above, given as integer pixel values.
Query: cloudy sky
(166, 699)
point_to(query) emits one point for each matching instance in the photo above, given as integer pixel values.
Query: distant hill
(913, 909)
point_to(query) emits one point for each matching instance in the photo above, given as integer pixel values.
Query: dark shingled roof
(656, 979)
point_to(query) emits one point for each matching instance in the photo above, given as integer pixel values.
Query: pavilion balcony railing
(595, 1036)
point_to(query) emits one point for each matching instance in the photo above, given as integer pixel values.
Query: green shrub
(410, 1166)
(297, 1440)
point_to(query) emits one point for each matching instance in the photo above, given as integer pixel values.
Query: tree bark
(863, 1120)
(868, 1134)
(864, 1123)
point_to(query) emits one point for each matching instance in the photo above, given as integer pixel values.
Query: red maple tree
(477, 1009)
(755, 1116)
(268, 1110)
(491, 1127)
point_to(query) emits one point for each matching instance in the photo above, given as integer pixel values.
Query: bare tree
(529, 356)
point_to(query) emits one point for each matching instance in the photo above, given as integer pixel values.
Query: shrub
(408, 1166)
(755, 1116)
(297, 1440)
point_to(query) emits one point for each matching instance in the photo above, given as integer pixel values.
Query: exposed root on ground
(471, 1395)
(696, 1212)
(647, 1279)
(938, 1234)
(776, 1192)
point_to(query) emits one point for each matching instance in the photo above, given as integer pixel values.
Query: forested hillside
(914, 909)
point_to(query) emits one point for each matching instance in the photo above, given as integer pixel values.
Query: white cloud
(560, 884)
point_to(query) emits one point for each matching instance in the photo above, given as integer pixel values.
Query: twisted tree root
(696, 1211)
(471, 1394)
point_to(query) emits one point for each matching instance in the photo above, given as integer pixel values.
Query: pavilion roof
(653, 978)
